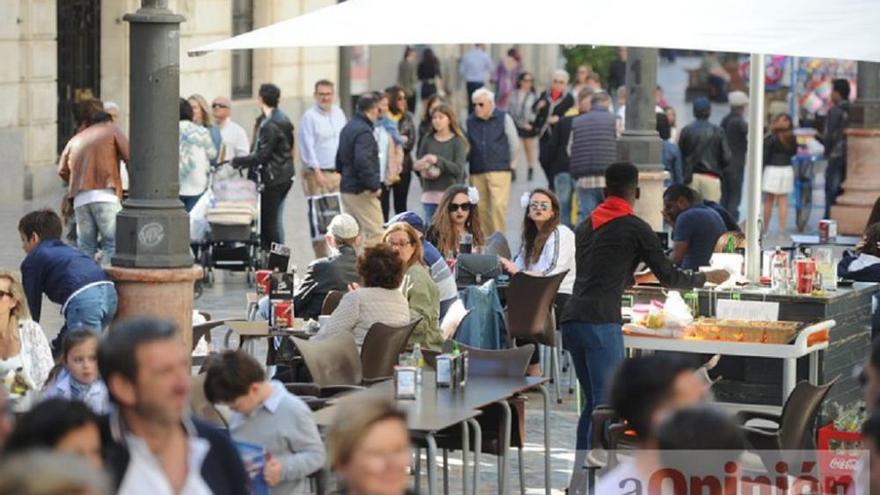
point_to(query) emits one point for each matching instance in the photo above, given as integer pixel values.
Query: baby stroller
(232, 215)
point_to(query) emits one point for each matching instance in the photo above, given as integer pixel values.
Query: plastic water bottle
(419, 360)
(779, 277)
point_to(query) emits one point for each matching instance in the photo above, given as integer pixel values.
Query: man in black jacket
(737, 131)
(609, 245)
(272, 150)
(834, 140)
(357, 161)
(151, 446)
(705, 152)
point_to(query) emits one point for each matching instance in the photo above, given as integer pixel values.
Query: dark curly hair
(380, 266)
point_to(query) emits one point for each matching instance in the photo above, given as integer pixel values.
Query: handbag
(476, 269)
(322, 209)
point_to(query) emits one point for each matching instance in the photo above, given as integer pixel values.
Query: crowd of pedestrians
(121, 401)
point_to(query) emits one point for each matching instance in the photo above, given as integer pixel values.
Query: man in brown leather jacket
(90, 166)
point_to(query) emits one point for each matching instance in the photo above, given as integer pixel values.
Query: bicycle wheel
(804, 204)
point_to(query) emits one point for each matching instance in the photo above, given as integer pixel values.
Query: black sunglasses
(6, 293)
(219, 105)
(480, 104)
(463, 207)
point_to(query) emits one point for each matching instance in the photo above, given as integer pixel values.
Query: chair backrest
(331, 300)
(203, 330)
(382, 346)
(529, 306)
(332, 361)
(497, 244)
(511, 362)
(199, 405)
(799, 414)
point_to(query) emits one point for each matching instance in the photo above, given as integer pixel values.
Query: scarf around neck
(612, 208)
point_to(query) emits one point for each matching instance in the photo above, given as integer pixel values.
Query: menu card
(732, 309)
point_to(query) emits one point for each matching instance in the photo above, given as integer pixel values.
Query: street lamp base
(152, 238)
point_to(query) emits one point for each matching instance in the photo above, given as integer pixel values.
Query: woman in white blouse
(547, 249)
(23, 345)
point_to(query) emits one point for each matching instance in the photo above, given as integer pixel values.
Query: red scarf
(613, 207)
(555, 95)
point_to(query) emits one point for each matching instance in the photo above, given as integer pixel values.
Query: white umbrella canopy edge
(809, 28)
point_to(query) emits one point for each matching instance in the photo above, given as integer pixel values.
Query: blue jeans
(588, 200)
(93, 308)
(96, 219)
(596, 350)
(430, 208)
(833, 181)
(564, 186)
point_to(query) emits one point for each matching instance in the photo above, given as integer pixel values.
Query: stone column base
(649, 207)
(862, 185)
(165, 293)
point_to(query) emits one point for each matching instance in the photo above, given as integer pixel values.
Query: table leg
(465, 446)
(432, 468)
(814, 367)
(546, 396)
(789, 377)
(505, 446)
(478, 449)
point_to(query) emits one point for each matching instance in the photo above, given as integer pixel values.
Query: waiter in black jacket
(609, 245)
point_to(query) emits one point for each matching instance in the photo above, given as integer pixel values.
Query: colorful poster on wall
(814, 76)
(360, 69)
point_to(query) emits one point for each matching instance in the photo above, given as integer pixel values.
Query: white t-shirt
(556, 257)
(95, 196)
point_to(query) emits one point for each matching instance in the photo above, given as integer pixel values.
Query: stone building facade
(58, 51)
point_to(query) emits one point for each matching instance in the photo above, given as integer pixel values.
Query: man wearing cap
(334, 272)
(235, 139)
(318, 140)
(705, 152)
(436, 263)
(737, 131)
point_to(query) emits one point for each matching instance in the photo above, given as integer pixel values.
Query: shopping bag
(198, 222)
(322, 209)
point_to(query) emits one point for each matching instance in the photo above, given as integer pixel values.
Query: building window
(242, 60)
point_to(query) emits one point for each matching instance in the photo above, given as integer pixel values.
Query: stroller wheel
(198, 289)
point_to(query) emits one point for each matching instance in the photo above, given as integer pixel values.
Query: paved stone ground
(226, 300)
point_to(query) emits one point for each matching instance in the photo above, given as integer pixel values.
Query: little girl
(76, 375)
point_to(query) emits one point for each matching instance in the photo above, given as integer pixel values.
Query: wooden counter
(757, 380)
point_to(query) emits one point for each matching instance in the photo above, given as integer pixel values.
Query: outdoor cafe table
(813, 240)
(436, 409)
(249, 332)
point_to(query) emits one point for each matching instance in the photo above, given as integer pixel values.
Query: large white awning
(848, 29)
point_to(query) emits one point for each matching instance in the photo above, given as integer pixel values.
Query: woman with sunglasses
(24, 349)
(520, 106)
(442, 157)
(547, 249)
(456, 215)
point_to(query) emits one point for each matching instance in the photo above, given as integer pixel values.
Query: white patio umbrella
(846, 29)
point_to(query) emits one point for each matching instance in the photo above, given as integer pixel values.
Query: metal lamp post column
(153, 267)
(152, 230)
(640, 143)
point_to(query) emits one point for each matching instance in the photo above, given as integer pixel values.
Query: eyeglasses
(539, 205)
(4, 293)
(480, 104)
(453, 207)
(218, 105)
